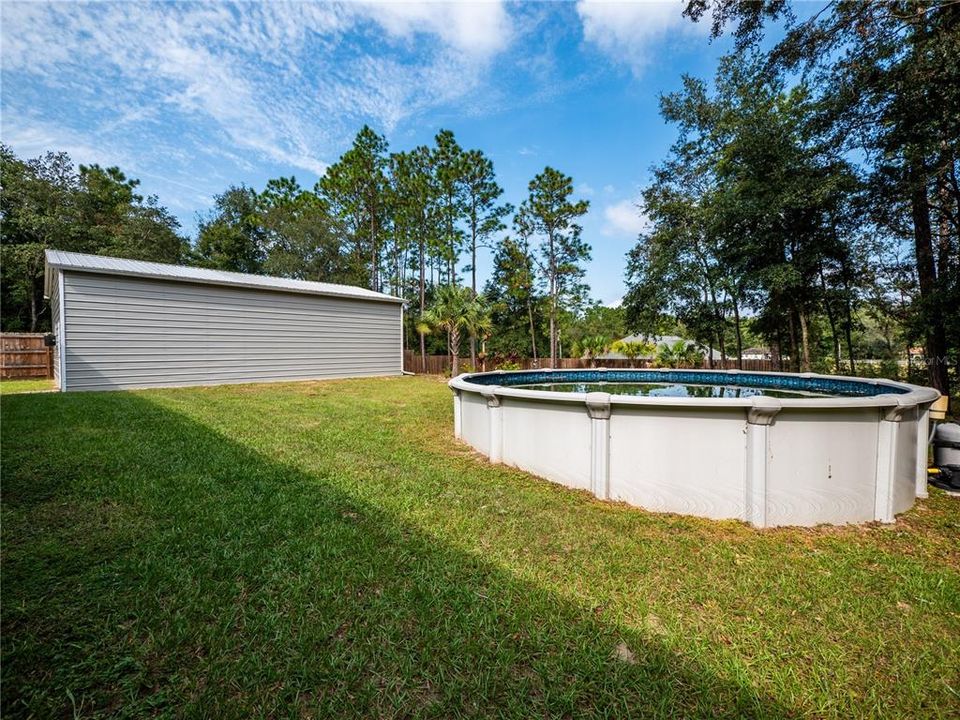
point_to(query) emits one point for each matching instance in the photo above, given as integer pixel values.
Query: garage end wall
(127, 332)
(55, 323)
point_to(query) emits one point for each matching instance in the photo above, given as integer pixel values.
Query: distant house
(658, 340)
(757, 354)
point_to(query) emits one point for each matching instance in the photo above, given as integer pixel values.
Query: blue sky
(191, 98)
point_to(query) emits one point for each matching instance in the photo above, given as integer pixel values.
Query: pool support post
(457, 414)
(598, 407)
(494, 411)
(889, 427)
(923, 442)
(760, 416)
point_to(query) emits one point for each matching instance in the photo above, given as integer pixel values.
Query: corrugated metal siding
(132, 332)
(57, 332)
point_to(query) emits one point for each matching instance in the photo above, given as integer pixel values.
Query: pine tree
(549, 214)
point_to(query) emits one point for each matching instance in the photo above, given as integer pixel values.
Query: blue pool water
(670, 390)
(686, 383)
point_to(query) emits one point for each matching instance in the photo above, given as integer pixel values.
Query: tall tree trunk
(473, 284)
(805, 340)
(848, 316)
(423, 303)
(706, 299)
(828, 307)
(947, 215)
(455, 350)
(553, 303)
(373, 253)
(834, 338)
(533, 333)
(473, 258)
(736, 320)
(721, 322)
(947, 258)
(553, 335)
(452, 277)
(936, 340)
(848, 334)
(794, 356)
(33, 307)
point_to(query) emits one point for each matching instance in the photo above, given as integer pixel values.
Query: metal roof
(104, 265)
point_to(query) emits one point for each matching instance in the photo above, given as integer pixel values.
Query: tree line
(402, 223)
(49, 203)
(813, 188)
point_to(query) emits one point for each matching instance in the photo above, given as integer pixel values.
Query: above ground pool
(767, 448)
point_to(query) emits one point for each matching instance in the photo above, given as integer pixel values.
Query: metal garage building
(132, 324)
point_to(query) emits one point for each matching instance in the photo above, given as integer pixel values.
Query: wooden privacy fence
(441, 364)
(24, 355)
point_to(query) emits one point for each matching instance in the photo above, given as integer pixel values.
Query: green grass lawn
(9, 386)
(328, 549)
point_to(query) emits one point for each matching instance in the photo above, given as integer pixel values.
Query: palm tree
(455, 310)
(478, 324)
(593, 347)
(632, 349)
(680, 354)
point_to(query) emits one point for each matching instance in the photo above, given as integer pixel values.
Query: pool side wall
(760, 460)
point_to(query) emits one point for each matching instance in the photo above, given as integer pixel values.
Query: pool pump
(946, 457)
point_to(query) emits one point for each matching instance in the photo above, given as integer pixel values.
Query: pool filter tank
(946, 454)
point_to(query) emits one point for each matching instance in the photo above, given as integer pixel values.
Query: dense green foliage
(879, 87)
(517, 307)
(456, 310)
(47, 203)
(549, 215)
(328, 550)
(751, 212)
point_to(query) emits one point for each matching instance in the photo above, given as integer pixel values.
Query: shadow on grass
(155, 566)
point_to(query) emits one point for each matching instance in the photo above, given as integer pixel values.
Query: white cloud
(481, 28)
(586, 190)
(285, 81)
(628, 31)
(35, 137)
(624, 218)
